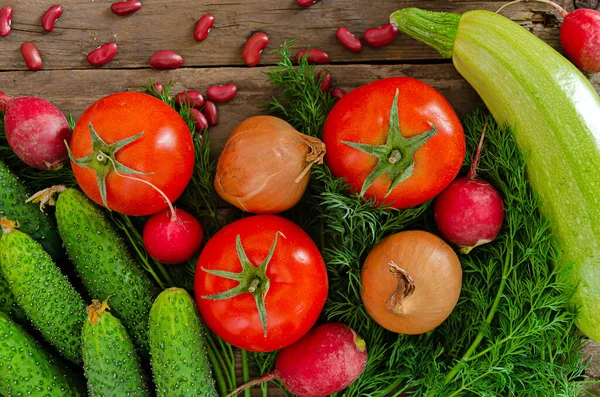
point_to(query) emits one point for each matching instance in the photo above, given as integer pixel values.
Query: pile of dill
(512, 332)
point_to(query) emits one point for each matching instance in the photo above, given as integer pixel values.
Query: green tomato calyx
(252, 279)
(396, 156)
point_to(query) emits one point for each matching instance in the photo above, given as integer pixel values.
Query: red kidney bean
(166, 59)
(32, 56)
(125, 7)
(50, 17)
(190, 98)
(210, 111)
(102, 55)
(326, 82)
(254, 47)
(315, 56)
(348, 40)
(307, 3)
(203, 27)
(222, 93)
(383, 35)
(337, 93)
(5, 20)
(199, 120)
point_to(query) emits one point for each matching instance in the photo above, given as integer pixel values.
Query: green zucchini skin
(179, 357)
(47, 297)
(555, 112)
(26, 369)
(8, 303)
(111, 363)
(31, 220)
(104, 263)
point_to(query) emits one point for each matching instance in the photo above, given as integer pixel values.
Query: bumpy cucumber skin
(104, 263)
(26, 369)
(111, 364)
(8, 303)
(31, 220)
(54, 307)
(179, 358)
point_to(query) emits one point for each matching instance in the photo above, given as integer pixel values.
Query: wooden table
(72, 84)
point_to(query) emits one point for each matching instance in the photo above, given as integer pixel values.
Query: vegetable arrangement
(348, 288)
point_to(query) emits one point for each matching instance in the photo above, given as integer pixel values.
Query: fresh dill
(512, 332)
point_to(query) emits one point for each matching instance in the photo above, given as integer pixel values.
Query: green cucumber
(8, 303)
(111, 363)
(105, 264)
(52, 304)
(31, 220)
(27, 369)
(179, 355)
(555, 112)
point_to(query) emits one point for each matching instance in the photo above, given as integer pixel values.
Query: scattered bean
(190, 98)
(210, 111)
(125, 7)
(50, 17)
(315, 56)
(337, 93)
(348, 40)
(203, 27)
(326, 82)
(102, 55)
(381, 36)
(307, 3)
(32, 56)
(222, 93)
(5, 20)
(166, 59)
(199, 120)
(254, 47)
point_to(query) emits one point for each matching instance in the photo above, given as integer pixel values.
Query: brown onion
(265, 165)
(411, 282)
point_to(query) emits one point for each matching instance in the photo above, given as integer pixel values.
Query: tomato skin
(363, 116)
(297, 293)
(165, 150)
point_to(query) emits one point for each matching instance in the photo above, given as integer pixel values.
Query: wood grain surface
(72, 84)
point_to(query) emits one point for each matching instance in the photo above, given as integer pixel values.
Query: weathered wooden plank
(77, 89)
(169, 24)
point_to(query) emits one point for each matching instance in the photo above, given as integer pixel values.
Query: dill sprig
(512, 331)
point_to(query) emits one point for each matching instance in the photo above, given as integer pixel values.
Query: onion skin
(264, 166)
(435, 270)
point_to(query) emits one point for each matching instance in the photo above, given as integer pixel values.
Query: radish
(172, 236)
(469, 212)
(36, 131)
(579, 35)
(326, 360)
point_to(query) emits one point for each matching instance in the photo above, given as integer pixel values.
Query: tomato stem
(395, 156)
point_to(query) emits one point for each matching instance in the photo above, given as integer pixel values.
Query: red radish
(326, 360)
(579, 35)
(36, 131)
(172, 239)
(469, 212)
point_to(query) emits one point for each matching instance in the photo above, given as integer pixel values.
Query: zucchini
(31, 220)
(111, 364)
(8, 303)
(52, 304)
(27, 369)
(555, 112)
(179, 354)
(105, 264)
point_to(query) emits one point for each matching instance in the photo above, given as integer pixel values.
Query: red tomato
(363, 117)
(296, 273)
(163, 155)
